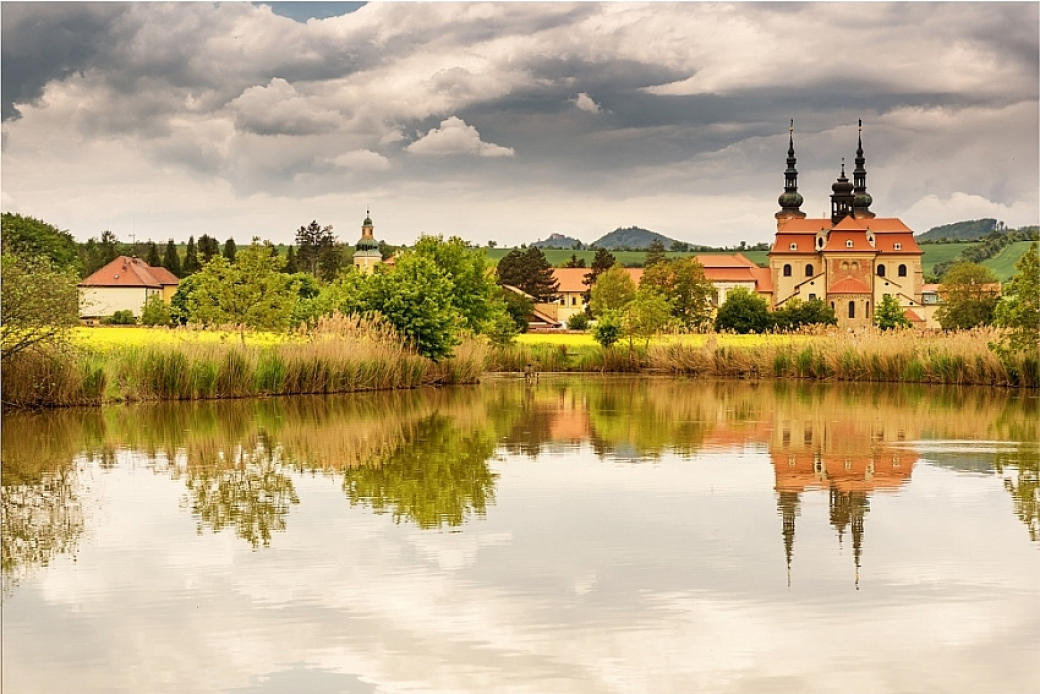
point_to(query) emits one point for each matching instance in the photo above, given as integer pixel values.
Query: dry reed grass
(340, 354)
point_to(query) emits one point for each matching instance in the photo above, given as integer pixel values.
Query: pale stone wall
(104, 301)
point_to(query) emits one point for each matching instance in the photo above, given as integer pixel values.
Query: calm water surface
(576, 535)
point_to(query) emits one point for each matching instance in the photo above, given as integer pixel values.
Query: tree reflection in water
(424, 457)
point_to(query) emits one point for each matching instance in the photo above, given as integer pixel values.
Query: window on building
(848, 244)
(898, 246)
(812, 297)
(787, 270)
(880, 270)
(794, 246)
(852, 309)
(809, 271)
(902, 270)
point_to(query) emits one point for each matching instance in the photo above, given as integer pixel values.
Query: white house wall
(105, 301)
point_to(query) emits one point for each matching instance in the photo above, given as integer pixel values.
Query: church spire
(841, 197)
(790, 200)
(787, 505)
(861, 198)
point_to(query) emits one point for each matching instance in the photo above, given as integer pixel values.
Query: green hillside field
(1003, 263)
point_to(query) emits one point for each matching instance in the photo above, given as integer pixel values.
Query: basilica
(850, 260)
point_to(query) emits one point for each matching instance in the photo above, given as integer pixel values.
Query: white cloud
(933, 210)
(456, 137)
(278, 109)
(362, 160)
(586, 103)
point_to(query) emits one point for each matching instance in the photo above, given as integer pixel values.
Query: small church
(850, 260)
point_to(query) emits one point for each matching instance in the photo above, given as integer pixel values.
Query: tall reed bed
(341, 354)
(866, 355)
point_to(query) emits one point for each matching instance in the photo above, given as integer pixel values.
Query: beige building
(123, 285)
(850, 260)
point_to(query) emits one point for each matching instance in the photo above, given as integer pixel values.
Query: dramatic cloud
(455, 137)
(267, 114)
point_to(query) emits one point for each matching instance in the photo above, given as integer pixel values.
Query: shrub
(608, 328)
(120, 318)
(579, 321)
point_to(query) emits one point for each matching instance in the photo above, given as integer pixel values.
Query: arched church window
(787, 270)
(880, 270)
(809, 270)
(852, 309)
(902, 270)
(845, 266)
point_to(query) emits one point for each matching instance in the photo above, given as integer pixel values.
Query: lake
(577, 534)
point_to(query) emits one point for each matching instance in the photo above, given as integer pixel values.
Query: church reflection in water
(847, 458)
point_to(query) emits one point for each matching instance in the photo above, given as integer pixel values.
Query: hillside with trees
(969, 230)
(631, 238)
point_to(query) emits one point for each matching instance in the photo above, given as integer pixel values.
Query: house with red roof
(850, 260)
(123, 285)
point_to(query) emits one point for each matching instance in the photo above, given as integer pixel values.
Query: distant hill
(632, 237)
(961, 231)
(560, 241)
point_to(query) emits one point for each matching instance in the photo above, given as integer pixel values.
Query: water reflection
(424, 457)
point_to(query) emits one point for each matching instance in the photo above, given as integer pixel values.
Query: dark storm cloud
(45, 41)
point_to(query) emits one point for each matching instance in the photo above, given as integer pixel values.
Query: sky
(510, 121)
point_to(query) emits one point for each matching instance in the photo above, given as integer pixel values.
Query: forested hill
(559, 241)
(632, 237)
(961, 231)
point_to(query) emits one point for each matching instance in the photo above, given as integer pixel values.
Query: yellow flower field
(105, 338)
(727, 340)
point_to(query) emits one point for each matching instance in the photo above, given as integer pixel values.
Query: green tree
(1019, 308)
(28, 237)
(180, 312)
(518, 306)
(608, 328)
(316, 250)
(38, 304)
(110, 248)
(645, 316)
(968, 295)
(654, 254)
(172, 259)
(890, 315)
(291, 266)
(613, 290)
(474, 292)
(796, 313)
(252, 293)
(415, 297)
(574, 261)
(155, 312)
(209, 248)
(743, 312)
(685, 286)
(152, 256)
(602, 261)
(191, 258)
(529, 271)
(230, 250)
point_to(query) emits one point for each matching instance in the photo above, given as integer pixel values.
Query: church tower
(842, 197)
(861, 198)
(790, 200)
(366, 252)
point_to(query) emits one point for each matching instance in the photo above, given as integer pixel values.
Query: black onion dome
(790, 200)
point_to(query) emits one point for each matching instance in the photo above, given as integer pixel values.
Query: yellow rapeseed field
(727, 340)
(105, 338)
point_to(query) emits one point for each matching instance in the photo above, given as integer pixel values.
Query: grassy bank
(347, 356)
(342, 356)
(868, 355)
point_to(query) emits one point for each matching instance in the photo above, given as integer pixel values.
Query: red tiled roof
(163, 276)
(882, 225)
(129, 272)
(802, 226)
(571, 279)
(838, 241)
(724, 260)
(886, 243)
(849, 224)
(849, 285)
(912, 317)
(764, 277)
(806, 243)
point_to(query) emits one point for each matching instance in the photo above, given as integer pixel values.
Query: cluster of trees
(744, 311)
(432, 294)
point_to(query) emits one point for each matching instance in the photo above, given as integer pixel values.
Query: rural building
(850, 260)
(123, 285)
